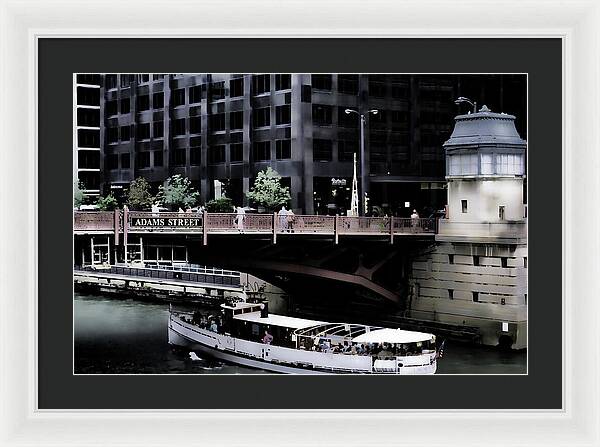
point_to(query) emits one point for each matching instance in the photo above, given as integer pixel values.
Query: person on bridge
(415, 220)
(283, 218)
(239, 219)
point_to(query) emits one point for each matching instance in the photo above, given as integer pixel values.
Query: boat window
(255, 330)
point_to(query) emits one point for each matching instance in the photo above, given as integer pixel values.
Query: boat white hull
(223, 348)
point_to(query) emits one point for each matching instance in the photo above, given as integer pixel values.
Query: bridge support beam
(274, 224)
(335, 229)
(204, 228)
(392, 230)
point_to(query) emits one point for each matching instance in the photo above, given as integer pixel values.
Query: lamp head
(348, 111)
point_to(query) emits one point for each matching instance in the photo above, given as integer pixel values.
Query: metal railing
(215, 223)
(208, 276)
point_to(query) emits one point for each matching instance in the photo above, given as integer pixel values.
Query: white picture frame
(577, 23)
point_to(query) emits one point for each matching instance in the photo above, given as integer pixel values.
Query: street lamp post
(462, 99)
(363, 165)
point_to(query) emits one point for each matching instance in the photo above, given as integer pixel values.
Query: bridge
(137, 222)
(366, 258)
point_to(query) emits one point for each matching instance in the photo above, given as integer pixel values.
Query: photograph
(300, 223)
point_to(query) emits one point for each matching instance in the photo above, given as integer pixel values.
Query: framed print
(367, 225)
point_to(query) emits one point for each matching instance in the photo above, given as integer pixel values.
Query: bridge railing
(301, 223)
(211, 223)
(94, 220)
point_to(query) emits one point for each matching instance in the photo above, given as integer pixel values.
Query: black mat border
(60, 58)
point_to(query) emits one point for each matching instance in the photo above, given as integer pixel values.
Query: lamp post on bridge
(363, 165)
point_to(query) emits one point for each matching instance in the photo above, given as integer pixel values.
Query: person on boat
(414, 220)
(213, 326)
(268, 338)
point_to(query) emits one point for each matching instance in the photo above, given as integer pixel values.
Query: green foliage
(138, 196)
(222, 205)
(267, 190)
(108, 203)
(78, 196)
(177, 193)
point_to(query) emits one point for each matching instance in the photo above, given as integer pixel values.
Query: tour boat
(245, 333)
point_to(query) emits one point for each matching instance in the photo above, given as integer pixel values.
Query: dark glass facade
(228, 127)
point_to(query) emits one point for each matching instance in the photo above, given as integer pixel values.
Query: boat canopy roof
(387, 335)
(276, 320)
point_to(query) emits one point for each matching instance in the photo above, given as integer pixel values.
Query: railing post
(335, 228)
(274, 223)
(392, 230)
(204, 227)
(117, 212)
(125, 229)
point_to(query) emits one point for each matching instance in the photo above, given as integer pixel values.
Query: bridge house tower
(476, 275)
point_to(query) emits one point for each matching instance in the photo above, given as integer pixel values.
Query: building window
(143, 131)
(158, 100)
(450, 259)
(501, 210)
(195, 151)
(195, 124)
(158, 77)
(475, 297)
(125, 80)
(216, 154)
(158, 129)
(217, 122)
(143, 160)
(236, 87)
(236, 152)
(283, 149)
(283, 82)
(236, 120)
(348, 84)
(262, 117)
(464, 206)
(321, 82)
(217, 91)
(261, 84)
(125, 105)
(143, 103)
(143, 78)
(111, 81)
(125, 133)
(283, 115)
(179, 97)
(525, 262)
(125, 161)
(346, 150)
(158, 158)
(475, 260)
(111, 108)
(261, 150)
(112, 161)
(511, 164)
(504, 262)
(195, 94)
(451, 294)
(399, 91)
(322, 150)
(321, 115)
(376, 88)
(179, 127)
(178, 157)
(112, 135)
(462, 164)
(487, 164)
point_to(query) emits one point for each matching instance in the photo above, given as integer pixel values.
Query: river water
(118, 336)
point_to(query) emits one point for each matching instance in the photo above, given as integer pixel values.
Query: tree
(108, 203)
(138, 196)
(222, 205)
(177, 193)
(78, 196)
(267, 190)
